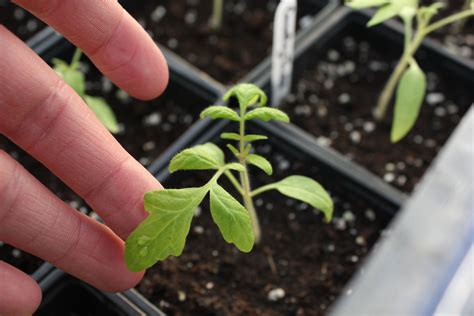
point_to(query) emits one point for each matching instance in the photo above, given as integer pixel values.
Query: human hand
(44, 116)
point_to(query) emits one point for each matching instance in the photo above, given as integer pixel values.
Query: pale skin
(44, 116)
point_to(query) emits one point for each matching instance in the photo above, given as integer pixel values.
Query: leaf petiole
(448, 20)
(262, 189)
(234, 181)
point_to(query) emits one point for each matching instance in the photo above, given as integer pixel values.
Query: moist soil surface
(147, 129)
(459, 39)
(19, 21)
(300, 268)
(336, 88)
(227, 54)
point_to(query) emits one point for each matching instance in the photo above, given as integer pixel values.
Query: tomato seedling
(215, 22)
(163, 233)
(408, 79)
(71, 74)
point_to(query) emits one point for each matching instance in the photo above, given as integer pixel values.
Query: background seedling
(163, 232)
(217, 12)
(76, 79)
(407, 78)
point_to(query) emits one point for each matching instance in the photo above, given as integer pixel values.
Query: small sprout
(71, 74)
(163, 233)
(407, 79)
(215, 22)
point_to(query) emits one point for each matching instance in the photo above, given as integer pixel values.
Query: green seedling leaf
(384, 13)
(247, 95)
(267, 114)
(428, 12)
(103, 112)
(247, 138)
(260, 162)
(235, 166)
(306, 190)
(232, 148)
(163, 233)
(410, 95)
(395, 7)
(253, 137)
(71, 76)
(200, 157)
(247, 149)
(363, 4)
(230, 136)
(220, 112)
(232, 219)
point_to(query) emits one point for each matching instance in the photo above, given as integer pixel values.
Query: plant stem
(262, 189)
(244, 179)
(234, 181)
(448, 20)
(408, 23)
(75, 58)
(216, 19)
(248, 203)
(410, 49)
(389, 89)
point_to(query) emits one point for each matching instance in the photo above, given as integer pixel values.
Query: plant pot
(188, 93)
(230, 53)
(66, 295)
(425, 265)
(339, 70)
(212, 277)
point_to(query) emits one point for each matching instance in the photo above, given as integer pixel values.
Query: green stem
(244, 179)
(234, 181)
(389, 89)
(448, 20)
(248, 203)
(408, 23)
(215, 177)
(75, 58)
(410, 50)
(216, 20)
(262, 189)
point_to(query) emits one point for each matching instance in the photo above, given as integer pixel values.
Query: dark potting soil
(336, 89)
(300, 268)
(147, 129)
(458, 41)
(19, 21)
(23, 261)
(227, 54)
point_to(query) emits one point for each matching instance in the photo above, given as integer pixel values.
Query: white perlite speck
(434, 98)
(198, 230)
(158, 13)
(276, 294)
(16, 253)
(355, 137)
(181, 296)
(209, 285)
(152, 119)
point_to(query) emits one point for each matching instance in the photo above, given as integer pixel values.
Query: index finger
(111, 38)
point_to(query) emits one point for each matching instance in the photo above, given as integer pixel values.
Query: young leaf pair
(71, 74)
(163, 233)
(407, 78)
